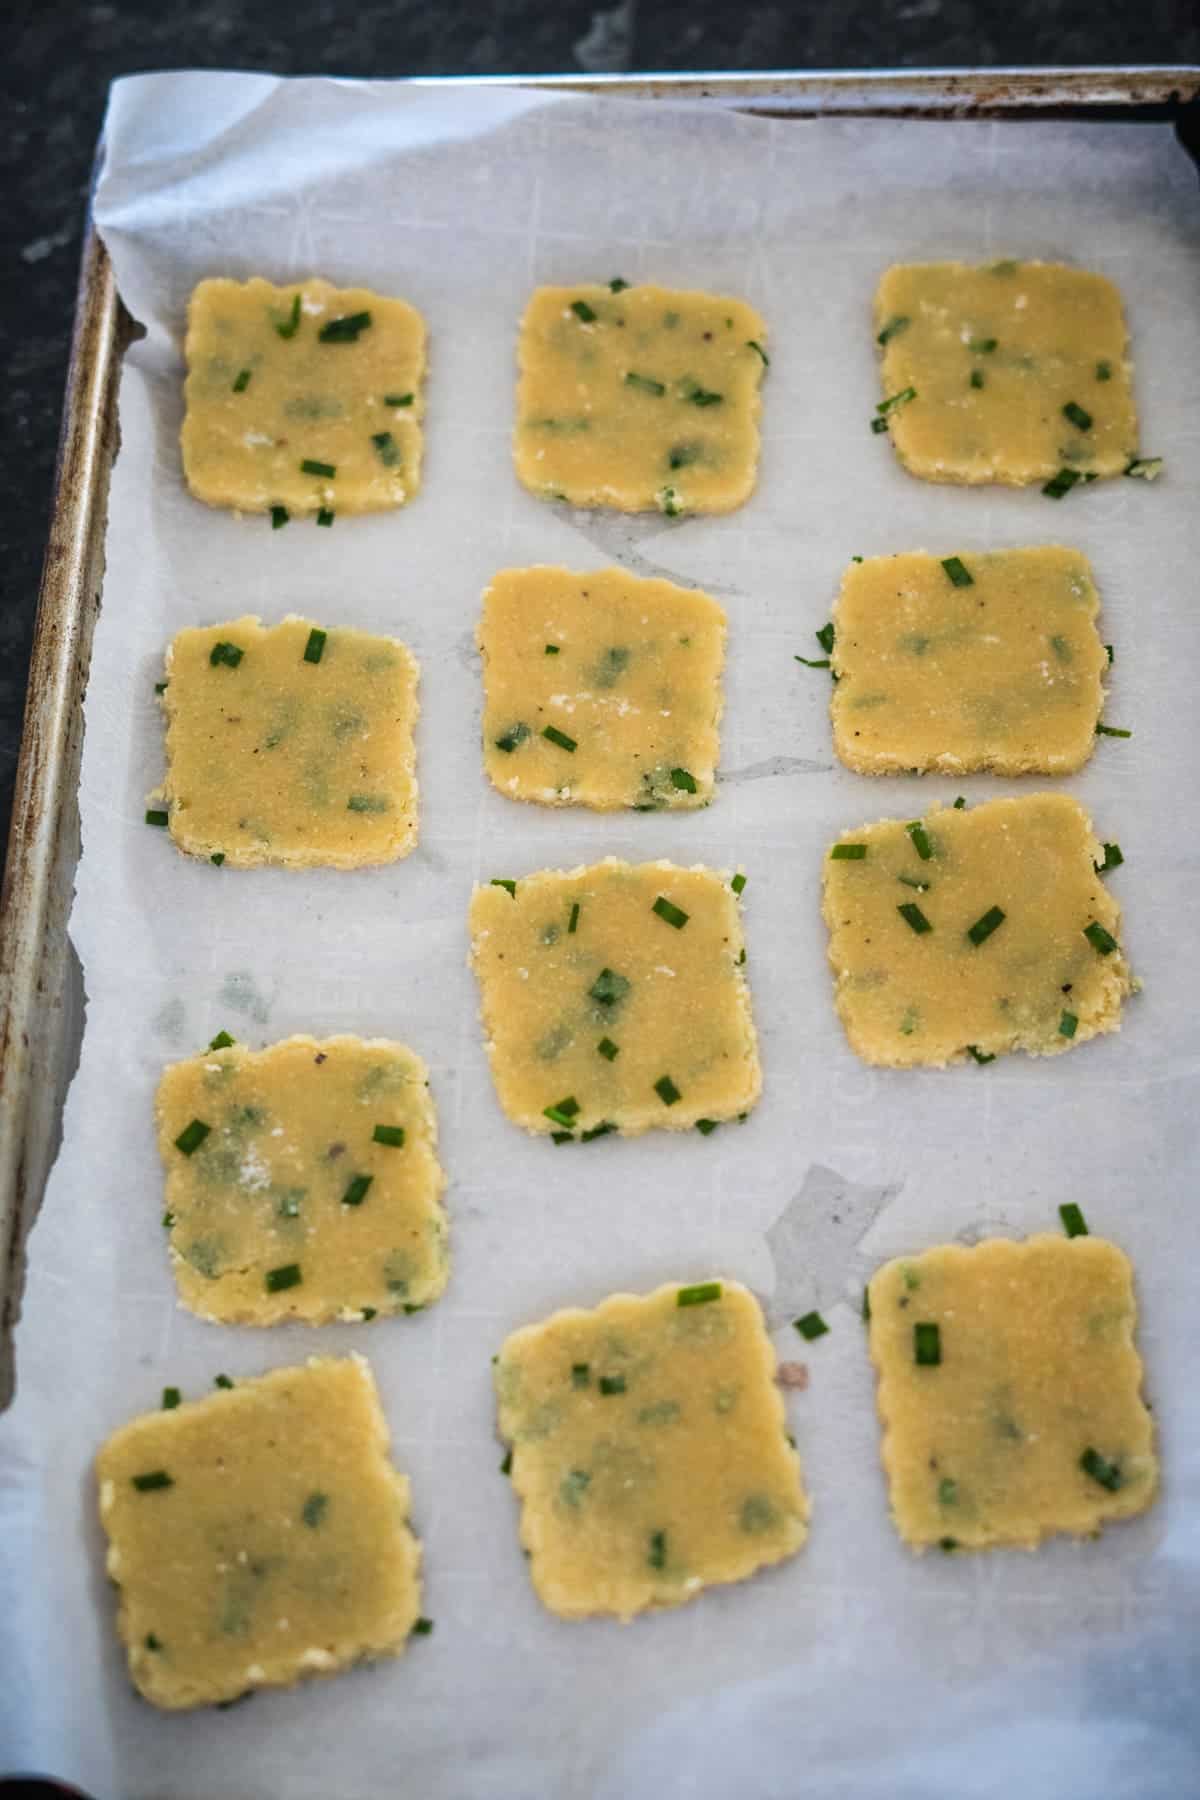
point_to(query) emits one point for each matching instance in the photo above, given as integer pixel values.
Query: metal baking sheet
(688, 1694)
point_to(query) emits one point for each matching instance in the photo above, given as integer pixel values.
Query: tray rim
(41, 1016)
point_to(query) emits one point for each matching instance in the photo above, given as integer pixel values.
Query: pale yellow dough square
(600, 1009)
(650, 1453)
(259, 1536)
(288, 1205)
(626, 671)
(1032, 1422)
(642, 400)
(1002, 671)
(273, 757)
(912, 993)
(266, 392)
(1036, 337)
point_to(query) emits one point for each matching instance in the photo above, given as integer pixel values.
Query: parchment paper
(855, 1669)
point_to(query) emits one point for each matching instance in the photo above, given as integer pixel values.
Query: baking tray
(41, 990)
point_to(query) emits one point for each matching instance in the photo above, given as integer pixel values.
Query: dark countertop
(61, 57)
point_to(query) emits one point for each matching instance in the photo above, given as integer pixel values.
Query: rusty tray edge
(41, 992)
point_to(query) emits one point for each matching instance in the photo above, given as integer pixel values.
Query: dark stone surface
(59, 59)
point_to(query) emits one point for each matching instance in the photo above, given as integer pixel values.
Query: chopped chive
(552, 649)
(960, 804)
(1103, 371)
(812, 662)
(500, 881)
(683, 780)
(344, 330)
(562, 1137)
(581, 1375)
(192, 1136)
(368, 1313)
(160, 687)
(1112, 731)
(151, 1642)
(397, 399)
(646, 383)
(289, 1276)
(603, 1129)
(222, 1381)
(738, 884)
(700, 396)
(673, 915)
(958, 571)
(811, 1326)
(229, 654)
(410, 1308)
(608, 1050)
(151, 1480)
(366, 803)
(706, 1127)
(978, 1055)
(156, 816)
(325, 516)
(656, 1556)
(386, 447)
(894, 400)
(168, 1220)
(1081, 420)
(422, 1628)
(583, 311)
(1101, 941)
(668, 503)
(292, 324)
(617, 285)
(1067, 1025)
(1112, 859)
(824, 637)
(920, 840)
(927, 1345)
(1145, 468)
(947, 1545)
(912, 915)
(699, 1295)
(562, 1112)
(310, 466)
(555, 736)
(506, 1465)
(511, 739)
(984, 926)
(242, 382)
(1061, 484)
(741, 956)
(315, 647)
(753, 344)
(910, 881)
(279, 517)
(1100, 1469)
(608, 988)
(848, 853)
(222, 1041)
(893, 328)
(1074, 1223)
(976, 378)
(611, 1384)
(391, 1135)
(666, 1090)
(171, 1397)
(878, 426)
(573, 921)
(982, 346)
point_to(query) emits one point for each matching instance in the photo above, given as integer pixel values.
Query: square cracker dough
(909, 996)
(222, 1558)
(279, 759)
(260, 1227)
(643, 400)
(627, 670)
(1057, 338)
(1003, 673)
(259, 403)
(602, 1014)
(1038, 1368)
(649, 1450)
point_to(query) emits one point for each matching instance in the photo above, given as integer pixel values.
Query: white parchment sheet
(855, 1669)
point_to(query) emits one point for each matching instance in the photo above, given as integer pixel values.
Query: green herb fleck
(753, 344)
(738, 884)
(893, 328)
(1068, 1025)
(608, 988)
(1113, 859)
(222, 1041)
(563, 1111)
(920, 839)
(608, 1050)
(387, 448)
(668, 503)
(617, 285)
(344, 330)
(314, 1509)
(279, 517)
(391, 1135)
(573, 921)
(397, 399)
(192, 1136)
(1061, 484)
(683, 780)
(222, 1381)
(848, 853)
(277, 1280)
(228, 654)
(984, 926)
(1074, 1223)
(156, 816)
(982, 346)
(645, 383)
(960, 804)
(912, 915)
(555, 736)
(506, 1465)
(502, 881)
(292, 324)
(511, 739)
(1100, 1469)
(896, 400)
(325, 516)
(812, 662)
(583, 311)
(977, 378)
(706, 1127)
(1101, 941)
(958, 571)
(367, 803)
(811, 1326)
(580, 1374)
(824, 637)
(603, 1129)
(152, 1480)
(171, 1397)
(612, 1384)
(315, 647)
(673, 915)
(242, 382)
(699, 1295)
(1081, 420)
(978, 1055)
(310, 466)
(1112, 731)
(1103, 371)
(666, 1090)
(422, 1628)
(927, 1345)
